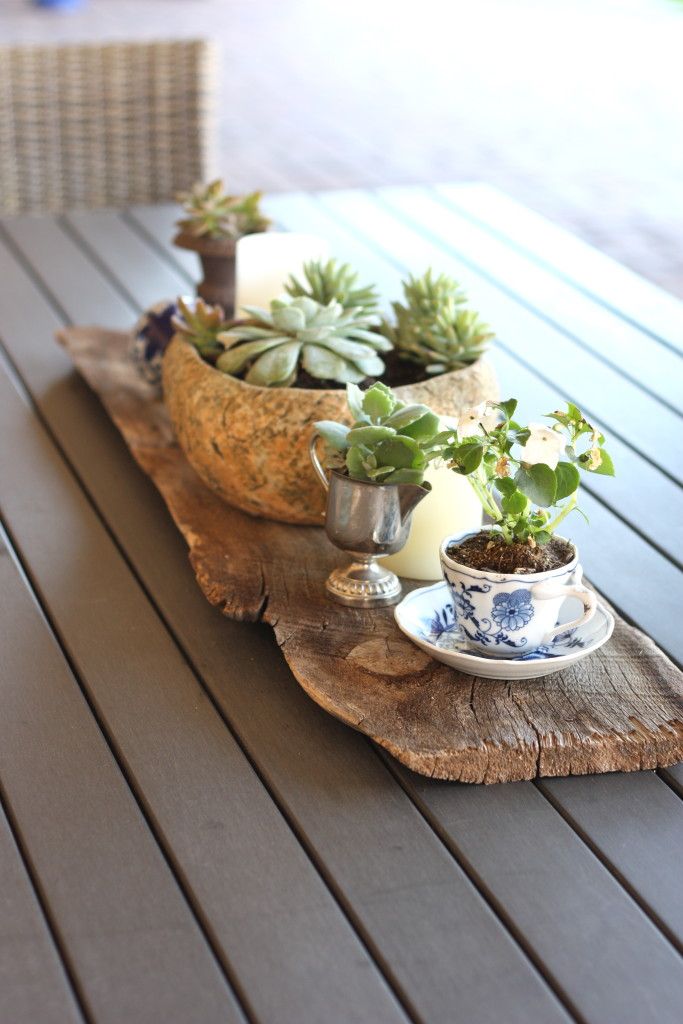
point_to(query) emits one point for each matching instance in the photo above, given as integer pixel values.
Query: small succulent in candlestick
(336, 281)
(201, 325)
(376, 482)
(326, 341)
(433, 328)
(389, 442)
(211, 213)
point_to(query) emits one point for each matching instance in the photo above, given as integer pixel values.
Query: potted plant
(212, 224)
(433, 332)
(376, 479)
(244, 417)
(509, 580)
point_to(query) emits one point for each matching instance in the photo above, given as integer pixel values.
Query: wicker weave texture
(89, 126)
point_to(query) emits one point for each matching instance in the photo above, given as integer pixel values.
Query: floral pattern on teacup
(512, 611)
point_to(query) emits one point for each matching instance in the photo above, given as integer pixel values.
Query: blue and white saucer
(426, 616)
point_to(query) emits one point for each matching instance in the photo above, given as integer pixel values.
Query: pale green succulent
(327, 341)
(433, 329)
(333, 280)
(201, 326)
(389, 443)
(212, 213)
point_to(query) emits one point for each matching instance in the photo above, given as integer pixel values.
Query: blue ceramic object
(64, 4)
(428, 616)
(504, 614)
(151, 336)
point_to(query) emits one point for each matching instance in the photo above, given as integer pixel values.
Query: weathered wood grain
(622, 709)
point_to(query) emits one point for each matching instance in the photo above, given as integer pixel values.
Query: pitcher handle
(551, 588)
(317, 465)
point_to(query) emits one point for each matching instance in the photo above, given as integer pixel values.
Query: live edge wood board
(619, 710)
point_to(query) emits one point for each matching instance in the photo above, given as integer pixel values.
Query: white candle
(265, 261)
(451, 506)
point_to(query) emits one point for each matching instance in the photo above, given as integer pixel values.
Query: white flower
(475, 421)
(544, 445)
(594, 460)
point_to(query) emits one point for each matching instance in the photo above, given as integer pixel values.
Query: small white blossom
(475, 421)
(594, 460)
(544, 445)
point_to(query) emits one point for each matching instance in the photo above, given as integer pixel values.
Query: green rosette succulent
(212, 213)
(328, 342)
(390, 442)
(201, 326)
(333, 280)
(432, 328)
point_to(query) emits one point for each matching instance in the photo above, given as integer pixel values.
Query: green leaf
(508, 407)
(400, 452)
(606, 467)
(514, 504)
(235, 359)
(354, 397)
(378, 402)
(354, 464)
(370, 435)
(335, 434)
(404, 476)
(505, 485)
(567, 480)
(542, 537)
(276, 368)
(405, 416)
(423, 430)
(538, 483)
(468, 455)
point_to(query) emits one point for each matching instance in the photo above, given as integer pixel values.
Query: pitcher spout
(409, 496)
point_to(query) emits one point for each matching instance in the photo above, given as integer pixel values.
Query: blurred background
(575, 108)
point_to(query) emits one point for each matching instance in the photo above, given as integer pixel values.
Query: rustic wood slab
(620, 710)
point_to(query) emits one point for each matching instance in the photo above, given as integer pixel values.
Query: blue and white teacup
(504, 615)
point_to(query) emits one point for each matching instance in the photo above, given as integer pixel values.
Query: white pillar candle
(451, 506)
(265, 261)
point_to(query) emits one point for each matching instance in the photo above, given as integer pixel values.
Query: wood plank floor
(280, 868)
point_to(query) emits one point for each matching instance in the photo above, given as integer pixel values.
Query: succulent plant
(212, 213)
(333, 280)
(328, 342)
(201, 326)
(433, 329)
(389, 443)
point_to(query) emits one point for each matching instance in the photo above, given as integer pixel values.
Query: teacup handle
(551, 588)
(317, 464)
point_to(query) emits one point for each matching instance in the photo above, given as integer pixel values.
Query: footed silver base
(364, 584)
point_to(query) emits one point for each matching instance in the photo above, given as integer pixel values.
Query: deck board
(622, 346)
(567, 905)
(33, 982)
(622, 290)
(133, 943)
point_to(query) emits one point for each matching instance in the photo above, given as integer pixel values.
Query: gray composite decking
(184, 836)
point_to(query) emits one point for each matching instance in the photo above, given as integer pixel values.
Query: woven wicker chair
(88, 126)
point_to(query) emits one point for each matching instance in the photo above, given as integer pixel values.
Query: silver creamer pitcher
(366, 520)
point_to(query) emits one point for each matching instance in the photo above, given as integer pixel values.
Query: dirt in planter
(492, 553)
(398, 371)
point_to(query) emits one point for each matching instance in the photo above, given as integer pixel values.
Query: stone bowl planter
(217, 257)
(250, 444)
